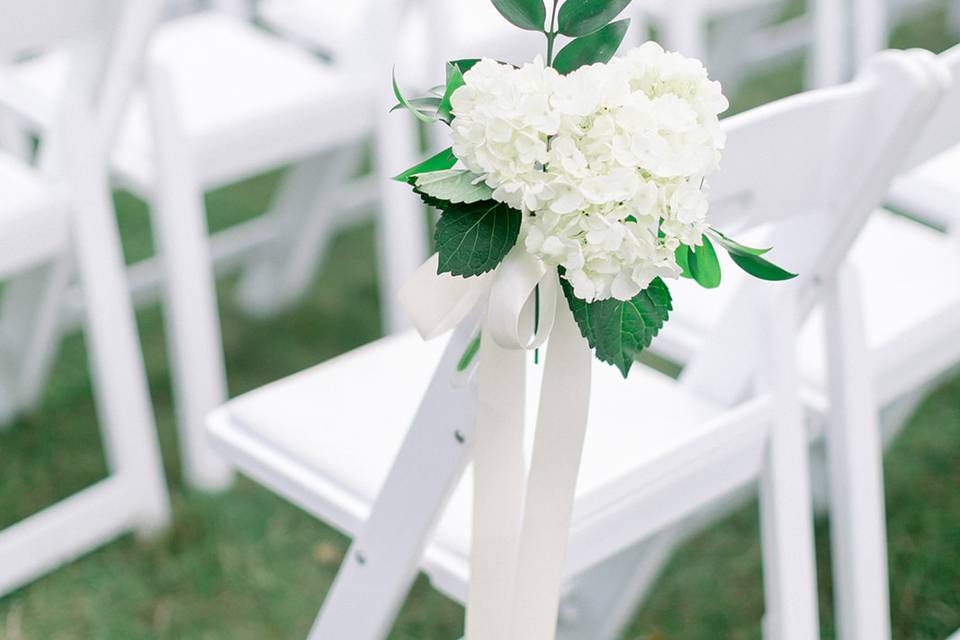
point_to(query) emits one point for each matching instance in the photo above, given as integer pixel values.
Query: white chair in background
(351, 441)
(738, 37)
(854, 450)
(60, 213)
(430, 32)
(224, 101)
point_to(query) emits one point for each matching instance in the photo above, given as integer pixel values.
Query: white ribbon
(520, 523)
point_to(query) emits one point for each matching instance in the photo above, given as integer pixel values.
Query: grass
(247, 565)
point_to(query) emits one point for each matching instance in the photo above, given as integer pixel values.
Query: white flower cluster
(607, 163)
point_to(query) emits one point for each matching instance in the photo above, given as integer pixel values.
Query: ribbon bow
(520, 522)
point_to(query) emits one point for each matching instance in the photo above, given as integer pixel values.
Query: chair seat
(931, 191)
(326, 439)
(32, 223)
(908, 278)
(247, 100)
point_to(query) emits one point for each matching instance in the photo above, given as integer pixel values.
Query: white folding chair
(352, 442)
(223, 101)
(431, 31)
(739, 37)
(61, 212)
(930, 190)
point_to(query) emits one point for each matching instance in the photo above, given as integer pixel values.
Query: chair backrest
(809, 170)
(40, 24)
(105, 39)
(943, 130)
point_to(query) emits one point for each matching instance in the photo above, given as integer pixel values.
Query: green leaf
(682, 255)
(454, 82)
(733, 246)
(474, 238)
(599, 46)
(703, 264)
(464, 64)
(526, 14)
(581, 17)
(440, 162)
(468, 354)
(619, 331)
(750, 261)
(406, 103)
(453, 185)
(761, 268)
(427, 105)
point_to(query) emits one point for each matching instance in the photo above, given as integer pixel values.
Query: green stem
(552, 33)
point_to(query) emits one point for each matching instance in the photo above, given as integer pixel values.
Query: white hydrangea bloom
(608, 163)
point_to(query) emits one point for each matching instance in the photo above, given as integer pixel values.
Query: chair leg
(829, 56)
(113, 346)
(401, 228)
(786, 509)
(383, 559)
(190, 297)
(685, 29)
(281, 273)
(871, 25)
(601, 602)
(30, 323)
(854, 454)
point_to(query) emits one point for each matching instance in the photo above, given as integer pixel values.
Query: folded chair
(375, 441)
(54, 214)
(223, 101)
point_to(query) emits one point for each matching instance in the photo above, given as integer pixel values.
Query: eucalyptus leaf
(582, 17)
(682, 255)
(456, 186)
(464, 64)
(424, 104)
(733, 246)
(439, 162)
(406, 103)
(454, 82)
(703, 264)
(748, 259)
(599, 46)
(761, 267)
(619, 330)
(526, 14)
(474, 238)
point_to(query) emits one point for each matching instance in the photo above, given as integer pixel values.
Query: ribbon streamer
(520, 523)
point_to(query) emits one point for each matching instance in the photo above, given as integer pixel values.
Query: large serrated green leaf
(599, 46)
(582, 17)
(456, 186)
(474, 238)
(619, 331)
(526, 14)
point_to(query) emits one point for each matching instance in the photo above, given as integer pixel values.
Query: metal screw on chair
(458, 435)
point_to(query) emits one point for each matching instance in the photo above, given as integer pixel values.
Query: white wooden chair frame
(73, 168)
(279, 251)
(383, 557)
(854, 447)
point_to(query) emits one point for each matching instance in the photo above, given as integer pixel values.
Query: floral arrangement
(597, 165)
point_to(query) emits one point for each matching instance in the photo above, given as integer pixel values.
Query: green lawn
(247, 565)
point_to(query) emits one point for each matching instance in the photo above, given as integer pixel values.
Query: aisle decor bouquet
(594, 164)
(575, 187)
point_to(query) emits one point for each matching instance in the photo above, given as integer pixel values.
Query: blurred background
(247, 564)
